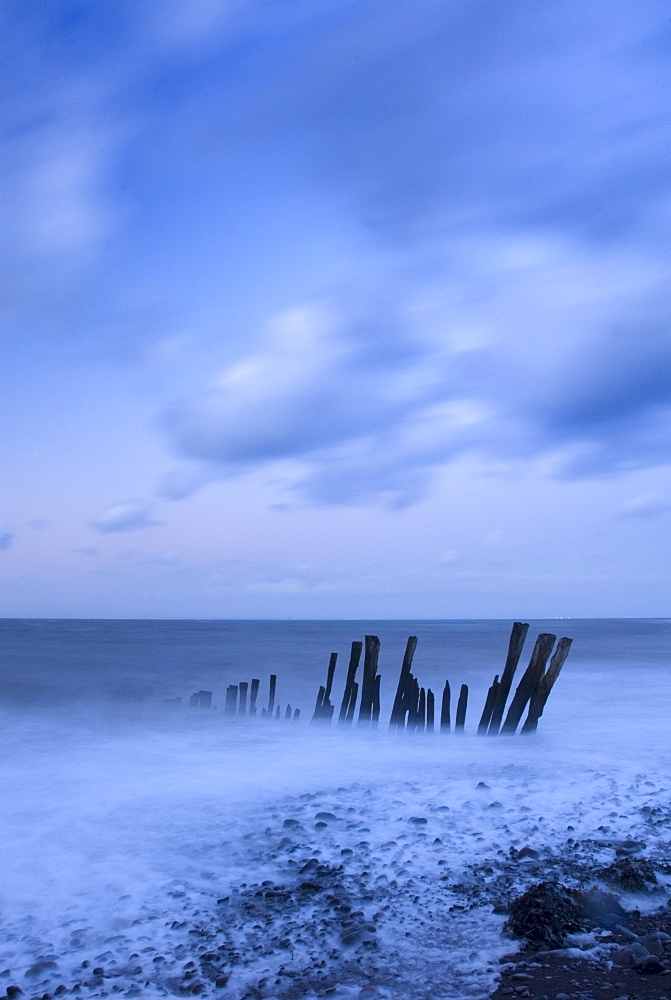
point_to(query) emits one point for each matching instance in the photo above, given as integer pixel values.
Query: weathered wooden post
(445, 709)
(530, 679)
(461, 709)
(489, 705)
(271, 694)
(242, 708)
(297, 714)
(369, 671)
(355, 656)
(430, 709)
(397, 713)
(253, 695)
(545, 685)
(319, 704)
(287, 714)
(231, 699)
(515, 644)
(278, 714)
(421, 711)
(376, 700)
(354, 691)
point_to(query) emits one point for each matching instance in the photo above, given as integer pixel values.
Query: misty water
(137, 836)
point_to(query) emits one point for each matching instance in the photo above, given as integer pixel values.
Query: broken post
(489, 705)
(461, 709)
(355, 656)
(530, 679)
(445, 709)
(545, 685)
(253, 695)
(397, 713)
(517, 636)
(242, 708)
(369, 672)
(271, 694)
(430, 709)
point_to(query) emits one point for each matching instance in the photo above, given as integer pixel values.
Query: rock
(291, 824)
(651, 965)
(544, 915)
(655, 942)
(38, 968)
(14, 991)
(418, 820)
(631, 954)
(525, 852)
(562, 996)
(602, 909)
(326, 815)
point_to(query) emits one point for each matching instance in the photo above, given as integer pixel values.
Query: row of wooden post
(236, 700)
(414, 706)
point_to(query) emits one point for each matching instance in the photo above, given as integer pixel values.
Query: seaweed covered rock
(544, 914)
(630, 874)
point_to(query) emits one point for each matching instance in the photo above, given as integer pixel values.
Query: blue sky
(336, 309)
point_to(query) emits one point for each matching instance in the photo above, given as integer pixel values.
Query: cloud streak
(132, 515)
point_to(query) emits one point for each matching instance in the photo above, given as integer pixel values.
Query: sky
(336, 309)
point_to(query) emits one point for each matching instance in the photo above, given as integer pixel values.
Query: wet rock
(14, 991)
(544, 915)
(291, 824)
(630, 874)
(418, 820)
(651, 965)
(525, 852)
(602, 909)
(38, 968)
(631, 954)
(328, 816)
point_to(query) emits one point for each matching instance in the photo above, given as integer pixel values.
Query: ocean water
(181, 852)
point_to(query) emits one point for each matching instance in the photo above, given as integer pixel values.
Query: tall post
(515, 644)
(542, 692)
(430, 709)
(253, 695)
(355, 656)
(489, 705)
(445, 709)
(369, 672)
(242, 708)
(271, 694)
(530, 679)
(397, 710)
(461, 709)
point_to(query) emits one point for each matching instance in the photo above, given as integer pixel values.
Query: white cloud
(129, 516)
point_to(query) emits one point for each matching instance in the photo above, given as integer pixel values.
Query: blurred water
(110, 798)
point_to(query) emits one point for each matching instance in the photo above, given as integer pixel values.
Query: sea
(153, 848)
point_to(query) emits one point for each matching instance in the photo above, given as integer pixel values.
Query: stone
(631, 954)
(651, 965)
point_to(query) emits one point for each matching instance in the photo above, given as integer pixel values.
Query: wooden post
(430, 710)
(231, 699)
(461, 709)
(297, 714)
(278, 714)
(329, 676)
(319, 705)
(445, 709)
(369, 672)
(354, 691)
(287, 714)
(271, 694)
(376, 700)
(530, 679)
(486, 716)
(242, 708)
(542, 692)
(421, 711)
(397, 713)
(355, 656)
(515, 644)
(252, 696)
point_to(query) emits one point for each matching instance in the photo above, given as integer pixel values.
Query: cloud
(529, 350)
(6, 538)
(645, 505)
(129, 516)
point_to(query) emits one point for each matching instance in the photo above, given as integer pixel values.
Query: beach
(158, 850)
